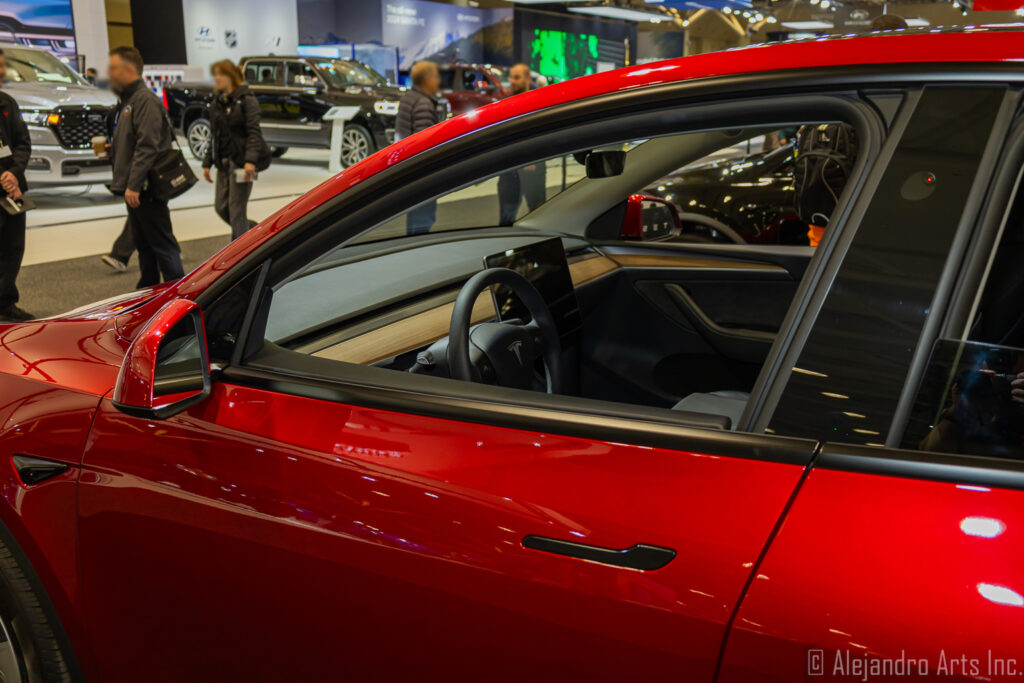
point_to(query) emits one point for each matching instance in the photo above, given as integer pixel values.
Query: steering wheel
(506, 350)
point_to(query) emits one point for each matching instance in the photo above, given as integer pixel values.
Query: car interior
(599, 292)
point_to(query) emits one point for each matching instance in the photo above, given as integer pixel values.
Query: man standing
(529, 180)
(420, 108)
(15, 148)
(141, 133)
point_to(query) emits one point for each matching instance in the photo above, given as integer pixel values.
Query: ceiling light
(812, 25)
(771, 20)
(727, 10)
(825, 4)
(622, 13)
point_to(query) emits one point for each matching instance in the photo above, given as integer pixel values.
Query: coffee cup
(99, 146)
(240, 176)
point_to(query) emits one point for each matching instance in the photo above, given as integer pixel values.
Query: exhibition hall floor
(73, 226)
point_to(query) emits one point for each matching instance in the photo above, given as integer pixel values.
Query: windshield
(339, 74)
(32, 66)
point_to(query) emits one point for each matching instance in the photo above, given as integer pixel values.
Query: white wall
(259, 26)
(90, 18)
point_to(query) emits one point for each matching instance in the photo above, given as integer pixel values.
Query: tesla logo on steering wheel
(516, 347)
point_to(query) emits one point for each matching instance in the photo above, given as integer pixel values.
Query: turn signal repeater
(32, 470)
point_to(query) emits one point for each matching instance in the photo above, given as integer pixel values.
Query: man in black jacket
(15, 148)
(419, 109)
(141, 133)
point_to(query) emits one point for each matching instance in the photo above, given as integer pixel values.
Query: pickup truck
(294, 95)
(63, 113)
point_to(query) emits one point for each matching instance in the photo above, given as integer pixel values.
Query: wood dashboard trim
(691, 262)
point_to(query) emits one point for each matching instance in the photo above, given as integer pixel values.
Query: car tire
(278, 152)
(356, 144)
(198, 135)
(29, 651)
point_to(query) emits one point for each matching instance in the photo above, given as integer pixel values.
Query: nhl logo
(231, 37)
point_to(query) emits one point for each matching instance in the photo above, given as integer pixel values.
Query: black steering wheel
(506, 350)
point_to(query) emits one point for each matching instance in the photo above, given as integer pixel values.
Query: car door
(266, 81)
(326, 534)
(305, 104)
(900, 556)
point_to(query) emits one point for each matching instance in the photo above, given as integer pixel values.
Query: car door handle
(640, 556)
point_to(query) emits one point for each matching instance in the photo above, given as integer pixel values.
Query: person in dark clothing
(15, 149)
(236, 144)
(419, 109)
(527, 181)
(141, 133)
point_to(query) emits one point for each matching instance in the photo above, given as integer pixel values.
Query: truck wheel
(356, 144)
(278, 152)
(29, 651)
(198, 135)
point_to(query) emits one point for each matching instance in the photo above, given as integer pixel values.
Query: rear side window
(850, 373)
(263, 73)
(971, 399)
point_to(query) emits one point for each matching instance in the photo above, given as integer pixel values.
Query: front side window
(263, 73)
(341, 74)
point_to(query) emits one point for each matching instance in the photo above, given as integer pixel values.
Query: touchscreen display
(544, 265)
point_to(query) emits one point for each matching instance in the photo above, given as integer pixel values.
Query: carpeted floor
(52, 288)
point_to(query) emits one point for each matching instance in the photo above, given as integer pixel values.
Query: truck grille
(78, 126)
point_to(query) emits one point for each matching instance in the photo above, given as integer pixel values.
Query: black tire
(278, 152)
(356, 144)
(198, 135)
(33, 640)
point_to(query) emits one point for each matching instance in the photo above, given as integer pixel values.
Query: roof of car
(971, 45)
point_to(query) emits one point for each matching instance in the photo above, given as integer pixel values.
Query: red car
(471, 86)
(331, 453)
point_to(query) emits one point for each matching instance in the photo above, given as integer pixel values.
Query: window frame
(279, 80)
(468, 404)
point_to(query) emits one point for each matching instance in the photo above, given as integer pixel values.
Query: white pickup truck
(63, 113)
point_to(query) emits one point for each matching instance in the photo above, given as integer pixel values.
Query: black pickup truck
(294, 95)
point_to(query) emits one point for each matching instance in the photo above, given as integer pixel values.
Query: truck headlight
(386, 107)
(40, 117)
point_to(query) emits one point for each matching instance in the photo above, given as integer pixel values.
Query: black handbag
(171, 176)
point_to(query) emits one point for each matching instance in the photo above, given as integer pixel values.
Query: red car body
(224, 544)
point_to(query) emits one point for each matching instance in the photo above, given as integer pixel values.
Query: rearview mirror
(650, 219)
(605, 164)
(166, 368)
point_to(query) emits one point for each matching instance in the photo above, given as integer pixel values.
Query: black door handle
(639, 556)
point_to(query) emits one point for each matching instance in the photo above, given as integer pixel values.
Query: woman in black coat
(236, 146)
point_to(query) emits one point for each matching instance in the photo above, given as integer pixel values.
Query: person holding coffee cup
(15, 149)
(236, 148)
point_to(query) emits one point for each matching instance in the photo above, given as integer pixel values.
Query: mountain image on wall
(489, 44)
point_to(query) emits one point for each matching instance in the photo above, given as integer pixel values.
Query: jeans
(12, 249)
(231, 200)
(124, 246)
(159, 254)
(421, 219)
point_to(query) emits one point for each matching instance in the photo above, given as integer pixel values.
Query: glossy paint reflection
(411, 528)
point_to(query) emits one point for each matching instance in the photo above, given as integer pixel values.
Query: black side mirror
(605, 164)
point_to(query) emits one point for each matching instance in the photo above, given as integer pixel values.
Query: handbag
(170, 176)
(13, 207)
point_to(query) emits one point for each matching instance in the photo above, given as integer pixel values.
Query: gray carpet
(52, 288)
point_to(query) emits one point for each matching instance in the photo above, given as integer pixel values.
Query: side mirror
(166, 368)
(605, 164)
(650, 219)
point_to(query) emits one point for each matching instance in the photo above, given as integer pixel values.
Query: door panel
(868, 565)
(328, 537)
(672, 322)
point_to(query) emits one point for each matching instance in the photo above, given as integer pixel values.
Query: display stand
(338, 116)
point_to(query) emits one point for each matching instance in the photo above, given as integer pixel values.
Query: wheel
(356, 144)
(29, 651)
(278, 152)
(198, 135)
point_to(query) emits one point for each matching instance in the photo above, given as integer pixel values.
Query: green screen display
(561, 55)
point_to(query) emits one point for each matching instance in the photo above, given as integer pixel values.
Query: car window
(470, 77)
(263, 72)
(302, 75)
(846, 383)
(340, 74)
(447, 79)
(971, 398)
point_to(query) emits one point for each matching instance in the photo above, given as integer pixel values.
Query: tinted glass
(263, 73)
(971, 401)
(847, 382)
